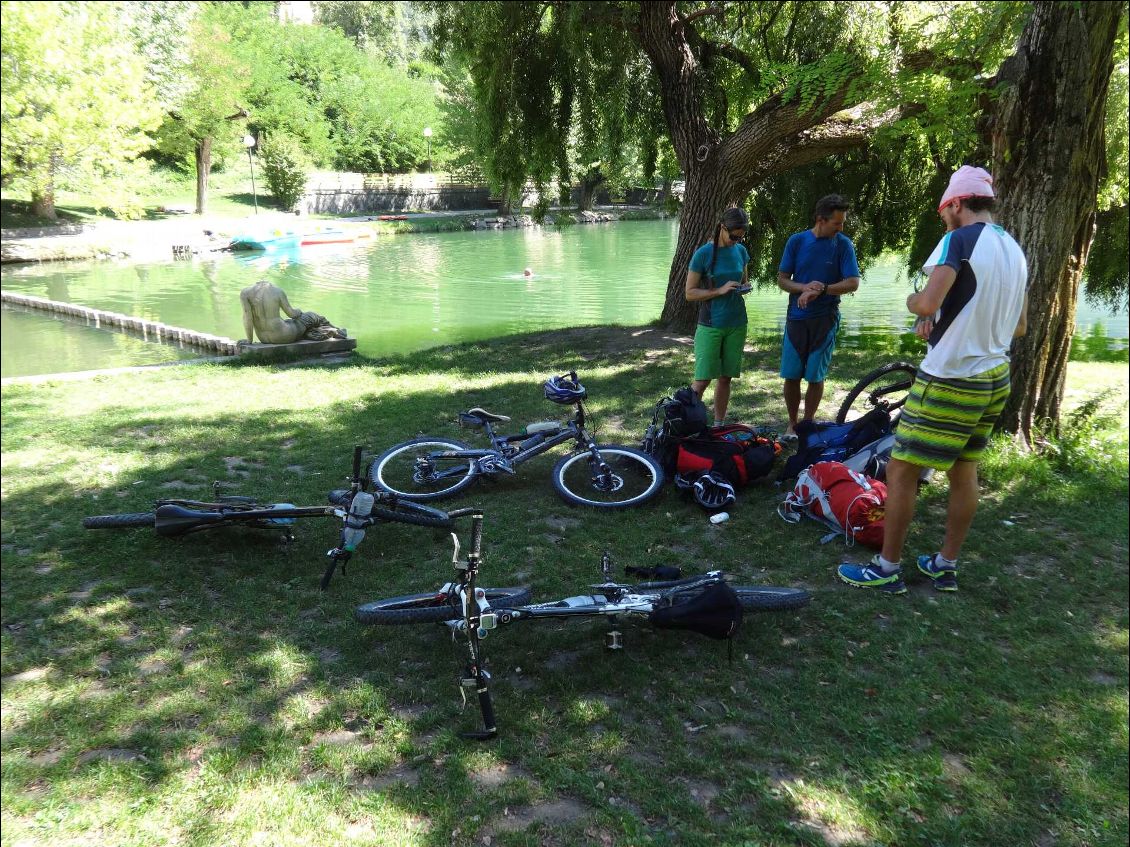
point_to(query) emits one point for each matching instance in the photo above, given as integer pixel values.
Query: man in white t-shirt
(971, 308)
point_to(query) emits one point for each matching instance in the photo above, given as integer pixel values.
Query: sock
(718, 422)
(886, 567)
(939, 559)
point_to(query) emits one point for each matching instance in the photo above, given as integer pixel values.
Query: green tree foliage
(76, 106)
(349, 109)
(285, 168)
(394, 32)
(1108, 274)
(213, 106)
(743, 93)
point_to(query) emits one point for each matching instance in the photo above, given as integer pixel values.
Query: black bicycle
(356, 508)
(886, 387)
(608, 476)
(706, 604)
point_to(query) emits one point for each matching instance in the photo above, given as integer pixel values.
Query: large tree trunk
(1048, 157)
(588, 187)
(43, 204)
(203, 168)
(43, 199)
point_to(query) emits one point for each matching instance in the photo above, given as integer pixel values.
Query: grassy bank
(203, 691)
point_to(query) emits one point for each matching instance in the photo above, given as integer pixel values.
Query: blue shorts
(806, 350)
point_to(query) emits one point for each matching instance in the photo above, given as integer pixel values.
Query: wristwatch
(824, 290)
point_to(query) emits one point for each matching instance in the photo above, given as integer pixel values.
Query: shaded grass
(203, 691)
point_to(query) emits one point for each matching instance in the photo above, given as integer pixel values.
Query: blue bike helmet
(565, 389)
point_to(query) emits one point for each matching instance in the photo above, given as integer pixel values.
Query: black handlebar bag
(715, 613)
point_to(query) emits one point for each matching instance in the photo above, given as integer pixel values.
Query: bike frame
(479, 617)
(573, 430)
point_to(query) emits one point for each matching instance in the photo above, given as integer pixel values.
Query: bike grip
(476, 534)
(328, 575)
(357, 462)
(487, 708)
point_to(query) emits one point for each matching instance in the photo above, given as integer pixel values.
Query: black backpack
(675, 418)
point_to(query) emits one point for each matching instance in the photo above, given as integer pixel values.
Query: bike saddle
(478, 417)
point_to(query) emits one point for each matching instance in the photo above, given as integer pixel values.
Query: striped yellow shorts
(947, 420)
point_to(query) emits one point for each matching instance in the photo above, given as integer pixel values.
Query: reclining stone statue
(262, 303)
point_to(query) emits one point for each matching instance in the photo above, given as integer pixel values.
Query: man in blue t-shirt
(818, 266)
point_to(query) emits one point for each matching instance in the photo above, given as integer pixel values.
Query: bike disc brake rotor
(606, 481)
(424, 471)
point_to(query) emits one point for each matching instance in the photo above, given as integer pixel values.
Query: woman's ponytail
(714, 254)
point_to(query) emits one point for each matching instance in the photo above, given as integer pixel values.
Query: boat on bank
(278, 238)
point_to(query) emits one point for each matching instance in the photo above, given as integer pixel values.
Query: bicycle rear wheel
(431, 608)
(400, 470)
(134, 519)
(771, 598)
(889, 386)
(633, 478)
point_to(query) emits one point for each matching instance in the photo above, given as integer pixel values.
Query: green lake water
(397, 294)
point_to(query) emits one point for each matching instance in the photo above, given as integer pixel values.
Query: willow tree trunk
(1049, 154)
(203, 168)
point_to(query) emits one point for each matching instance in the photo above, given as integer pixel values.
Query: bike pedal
(614, 640)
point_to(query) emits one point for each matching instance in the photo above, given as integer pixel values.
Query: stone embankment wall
(149, 330)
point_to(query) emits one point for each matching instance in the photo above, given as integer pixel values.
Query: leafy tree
(1108, 274)
(285, 167)
(214, 102)
(76, 106)
(1049, 155)
(747, 91)
(391, 31)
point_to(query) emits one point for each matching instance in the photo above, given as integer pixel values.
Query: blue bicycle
(607, 476)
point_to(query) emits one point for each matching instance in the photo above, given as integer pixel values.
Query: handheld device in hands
(743, 289)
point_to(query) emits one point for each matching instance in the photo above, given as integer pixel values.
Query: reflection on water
(397, 294)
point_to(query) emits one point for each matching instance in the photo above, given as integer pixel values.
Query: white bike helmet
(565, 389)
(713, 491)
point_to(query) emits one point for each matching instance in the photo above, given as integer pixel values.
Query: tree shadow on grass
(254, 698)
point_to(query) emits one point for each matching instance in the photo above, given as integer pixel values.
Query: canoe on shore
(283, 238)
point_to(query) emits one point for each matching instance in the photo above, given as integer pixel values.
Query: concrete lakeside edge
(165, 239)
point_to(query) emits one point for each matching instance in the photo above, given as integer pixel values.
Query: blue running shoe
(944, 577)
(870, 576)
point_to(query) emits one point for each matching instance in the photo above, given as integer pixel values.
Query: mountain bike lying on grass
(606, 476)
(356, 508)
(705, 604)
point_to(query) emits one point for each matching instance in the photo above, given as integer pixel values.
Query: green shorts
(950, 420)
(718, 351)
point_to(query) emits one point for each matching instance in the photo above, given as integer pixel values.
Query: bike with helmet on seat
(607, 476)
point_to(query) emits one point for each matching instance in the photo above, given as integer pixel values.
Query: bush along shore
(204, 690)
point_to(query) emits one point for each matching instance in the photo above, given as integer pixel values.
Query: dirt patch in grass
(560, 812)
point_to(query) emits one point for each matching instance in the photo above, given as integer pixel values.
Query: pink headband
(967, 182)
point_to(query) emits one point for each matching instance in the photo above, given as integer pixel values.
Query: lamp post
(428, 136)
(249, 142)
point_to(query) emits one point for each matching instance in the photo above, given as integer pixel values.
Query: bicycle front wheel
(133, 519)
(627, 477)
(432, 608)
(408, 470)
(888, 386)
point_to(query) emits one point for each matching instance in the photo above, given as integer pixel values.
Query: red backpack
(849, 502)
(735, 451)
